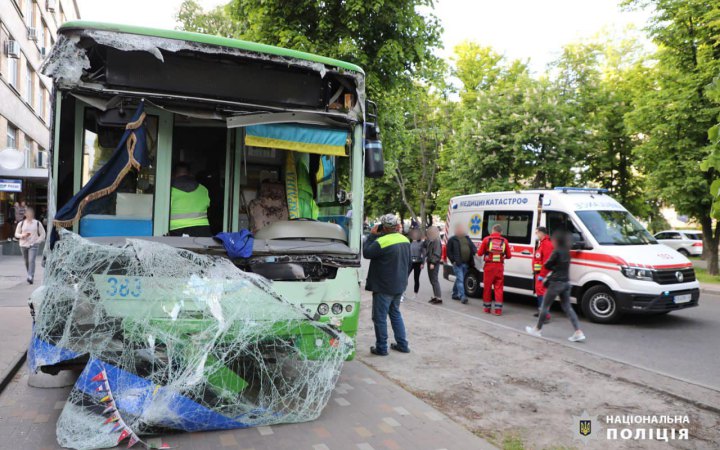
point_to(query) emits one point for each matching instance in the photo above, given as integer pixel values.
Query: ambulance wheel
(472, 284)
(600, 305)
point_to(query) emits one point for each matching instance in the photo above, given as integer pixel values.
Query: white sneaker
(532, 331)
(577, 337)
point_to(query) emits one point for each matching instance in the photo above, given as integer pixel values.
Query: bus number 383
(124, 287)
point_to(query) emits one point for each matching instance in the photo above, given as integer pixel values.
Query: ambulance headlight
(638, 273)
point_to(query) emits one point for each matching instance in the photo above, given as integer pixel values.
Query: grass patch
(704, 277)
(513, 443)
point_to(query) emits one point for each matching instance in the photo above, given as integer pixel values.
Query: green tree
(218, 21)
(672, 117)
(598, 80)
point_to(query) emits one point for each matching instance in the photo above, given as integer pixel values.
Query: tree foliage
(672, 115)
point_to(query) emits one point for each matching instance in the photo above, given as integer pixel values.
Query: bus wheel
(600, 305)
(472, 284)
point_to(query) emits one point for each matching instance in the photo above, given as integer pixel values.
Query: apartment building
(28, 29)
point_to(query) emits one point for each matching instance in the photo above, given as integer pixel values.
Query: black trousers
(415, 270)
(201, 231)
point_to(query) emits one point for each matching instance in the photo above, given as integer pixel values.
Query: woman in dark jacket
(434, 260)
(558, 284)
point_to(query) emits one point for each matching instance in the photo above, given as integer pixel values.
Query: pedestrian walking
(417, 256)
(460, 252)
(542, 253)
(494, 249)
(19, 209)
(31, 234)
(558, 284)
(389, 254)
(433, 258)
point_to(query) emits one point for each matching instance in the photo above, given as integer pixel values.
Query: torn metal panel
(174, 340)
(74, 64)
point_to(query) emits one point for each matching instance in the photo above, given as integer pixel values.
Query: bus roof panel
(210, 40)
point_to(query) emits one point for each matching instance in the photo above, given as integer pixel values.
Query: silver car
(687, 242)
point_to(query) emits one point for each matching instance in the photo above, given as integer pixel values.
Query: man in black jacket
(389, 255)
(460, 251)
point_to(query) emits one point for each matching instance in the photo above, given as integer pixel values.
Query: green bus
(282, 141)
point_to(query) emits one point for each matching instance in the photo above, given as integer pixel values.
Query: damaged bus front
(176, 329)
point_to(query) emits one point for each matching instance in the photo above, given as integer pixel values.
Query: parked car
(687, 242)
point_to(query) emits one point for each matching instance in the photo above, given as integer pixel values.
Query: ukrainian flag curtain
(298, 138)
(131, 153)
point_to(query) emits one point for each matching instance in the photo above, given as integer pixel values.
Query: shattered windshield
(174, 340)
(615, 228)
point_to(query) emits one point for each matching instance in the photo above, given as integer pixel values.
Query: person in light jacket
(433, 248)
(31, 234)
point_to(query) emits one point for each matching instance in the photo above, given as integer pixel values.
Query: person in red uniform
(542, 253)
(494, 249)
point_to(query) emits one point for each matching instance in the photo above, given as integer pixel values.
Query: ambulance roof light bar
(566, 190)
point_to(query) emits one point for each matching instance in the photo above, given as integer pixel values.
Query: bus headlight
(638, 273)
(323, 309)
(337, 308)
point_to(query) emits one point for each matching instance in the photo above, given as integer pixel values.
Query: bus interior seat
(269, 206)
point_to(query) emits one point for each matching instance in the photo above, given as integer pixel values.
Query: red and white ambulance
(617, 265)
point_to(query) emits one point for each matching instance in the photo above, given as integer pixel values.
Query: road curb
(6, 378)
(707, 290)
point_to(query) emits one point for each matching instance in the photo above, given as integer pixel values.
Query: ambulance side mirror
(581, 245)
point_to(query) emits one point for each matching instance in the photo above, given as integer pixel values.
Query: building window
(13, 72)
(39, 101)
(29, 85)
(28, 152)
(41, 34)
(12, 133)
(29, 13)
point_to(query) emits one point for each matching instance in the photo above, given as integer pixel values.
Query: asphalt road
(683, 344)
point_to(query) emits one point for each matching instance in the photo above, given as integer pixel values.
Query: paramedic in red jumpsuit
(494, 250)
(542, 253)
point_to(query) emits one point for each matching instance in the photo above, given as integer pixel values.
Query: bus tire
(472, 284)
(600, 305)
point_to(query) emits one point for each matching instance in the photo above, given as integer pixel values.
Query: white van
(617, 265)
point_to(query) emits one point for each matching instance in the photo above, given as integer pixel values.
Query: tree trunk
(711, 240)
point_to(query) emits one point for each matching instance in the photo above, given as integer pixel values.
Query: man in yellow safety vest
(189, 202)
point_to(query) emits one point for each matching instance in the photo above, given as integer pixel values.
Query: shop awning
(299, 138)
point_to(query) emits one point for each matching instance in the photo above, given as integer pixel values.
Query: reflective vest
(189, 209)
(496, 250)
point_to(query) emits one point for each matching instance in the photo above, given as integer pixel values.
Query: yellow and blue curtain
(298, 138)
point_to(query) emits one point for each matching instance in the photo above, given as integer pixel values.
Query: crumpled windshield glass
(615, 228)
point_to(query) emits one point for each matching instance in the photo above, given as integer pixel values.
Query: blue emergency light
(566, 189)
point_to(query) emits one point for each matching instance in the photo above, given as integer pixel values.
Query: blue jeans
(459, 286)
(384, 305)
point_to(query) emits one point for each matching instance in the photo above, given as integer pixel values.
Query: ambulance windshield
(615, 228)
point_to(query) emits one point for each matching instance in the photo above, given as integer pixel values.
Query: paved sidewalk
(15, 320)
(367, 411)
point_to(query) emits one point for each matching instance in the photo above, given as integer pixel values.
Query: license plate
(682, 298)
